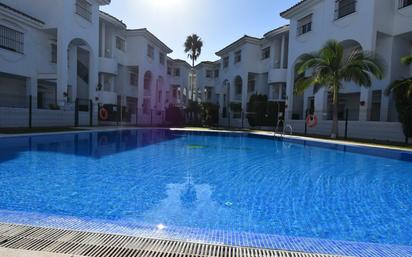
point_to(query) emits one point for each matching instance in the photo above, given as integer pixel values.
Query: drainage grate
(107, 245)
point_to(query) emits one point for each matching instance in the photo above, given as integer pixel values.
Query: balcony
(174, 80)
(277, 75)
(108, 65)
(107, 97)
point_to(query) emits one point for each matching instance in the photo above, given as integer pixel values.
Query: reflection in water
(185, 204)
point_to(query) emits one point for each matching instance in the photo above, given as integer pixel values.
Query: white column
(244, 92)
(62, 64)
(103, 40)
(365, 107)
(289, 94)
(321, 104)
(72, 71)
(385, 100)
(93, 74)
(282, 52)
(31, 87)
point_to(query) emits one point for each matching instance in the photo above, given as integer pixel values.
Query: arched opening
(351, 45)
(79, 69)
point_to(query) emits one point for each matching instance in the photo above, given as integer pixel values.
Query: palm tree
(193, 48)
(403, 83)
(330, 66)
(402, 92)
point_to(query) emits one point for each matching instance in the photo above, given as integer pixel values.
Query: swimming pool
(227, 188)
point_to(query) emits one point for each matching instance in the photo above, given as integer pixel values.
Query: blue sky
(217, 22)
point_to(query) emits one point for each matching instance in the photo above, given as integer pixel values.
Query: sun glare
(166, 4)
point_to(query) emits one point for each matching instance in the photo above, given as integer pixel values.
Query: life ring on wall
(312, 121)
(103, 114)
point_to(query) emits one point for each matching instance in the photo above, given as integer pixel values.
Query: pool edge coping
(251, 132)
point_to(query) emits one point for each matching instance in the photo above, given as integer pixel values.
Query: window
(84, 9)
(209, 74)
(133, 75)
(305, 25)
(162, 58)
(177, 72)
(251, 85)
(208, 93)
(169, 71)
(53, 53)
(238, 56)
(120, 44)
(404, 3)
(216, 73)
(150, 51)
(266, 53)
(11, 39)
(344, 8)
(226, 62)
(133, 78)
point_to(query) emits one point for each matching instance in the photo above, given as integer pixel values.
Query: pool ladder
(282, 130)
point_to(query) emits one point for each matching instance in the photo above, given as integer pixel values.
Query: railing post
(91, 113)
(76, 112)
(243, 118)
(151, 117)
(228, 117)
(119, 114)
(346, 123)
(137, 120)
(30, 111)
(306, 125)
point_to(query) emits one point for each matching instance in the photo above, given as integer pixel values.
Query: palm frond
(360, 65)
(193, 46)
(398, 84)
(407, 60)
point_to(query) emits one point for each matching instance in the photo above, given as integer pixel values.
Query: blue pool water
(237, 183)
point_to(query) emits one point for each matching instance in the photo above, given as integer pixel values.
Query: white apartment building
(178, 72)
(48, 50)
(247, 66)
(66, 60)
(207, 77)
(382, 26)
(133, 74)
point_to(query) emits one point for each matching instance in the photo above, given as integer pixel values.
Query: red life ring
(103, 114)
(312, 121)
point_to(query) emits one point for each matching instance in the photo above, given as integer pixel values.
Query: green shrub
(210, 114)
(404, 107)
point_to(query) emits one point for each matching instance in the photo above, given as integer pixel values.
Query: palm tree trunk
(335, 123)
(193, 74)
